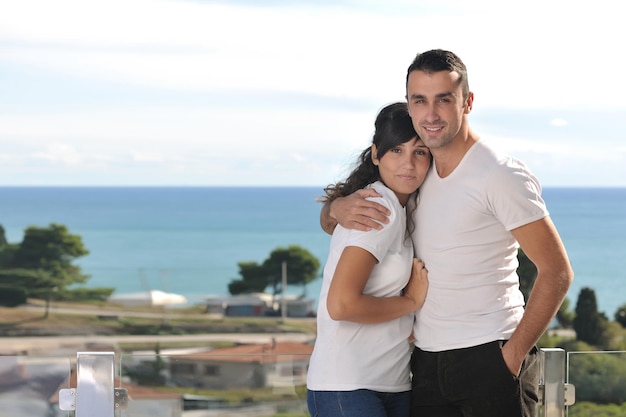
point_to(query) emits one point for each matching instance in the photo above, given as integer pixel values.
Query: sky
(284, 93)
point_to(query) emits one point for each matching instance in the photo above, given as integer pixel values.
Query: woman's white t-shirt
(349, 355)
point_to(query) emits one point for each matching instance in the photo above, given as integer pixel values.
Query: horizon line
(239, 186)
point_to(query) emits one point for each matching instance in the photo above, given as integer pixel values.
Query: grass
(102, 318)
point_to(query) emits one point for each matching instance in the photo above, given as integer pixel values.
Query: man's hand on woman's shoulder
(355, 212)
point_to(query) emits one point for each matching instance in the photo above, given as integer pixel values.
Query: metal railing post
(555, 394)
(95, 393)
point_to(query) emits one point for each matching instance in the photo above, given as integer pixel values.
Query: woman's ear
(374, 155)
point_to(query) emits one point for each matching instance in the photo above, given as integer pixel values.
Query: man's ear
(469, 103)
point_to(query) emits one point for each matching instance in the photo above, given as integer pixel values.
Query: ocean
(188, 240)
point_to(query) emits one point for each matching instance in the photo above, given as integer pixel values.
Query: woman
(372, 285)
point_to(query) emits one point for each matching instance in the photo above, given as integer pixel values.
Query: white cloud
(513, 145)
(558, 122)
(147, 157)
(197, 145)
(205, 46)
(61, 153)
(193, 46)
(200, 91)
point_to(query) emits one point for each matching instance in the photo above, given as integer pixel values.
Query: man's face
(436, 106)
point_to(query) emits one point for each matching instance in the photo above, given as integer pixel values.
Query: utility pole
(283, 301)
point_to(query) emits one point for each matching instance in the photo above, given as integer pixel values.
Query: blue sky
(156, 92)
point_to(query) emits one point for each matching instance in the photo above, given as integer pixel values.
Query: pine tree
(589, 324)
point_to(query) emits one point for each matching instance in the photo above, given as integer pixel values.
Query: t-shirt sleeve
(378, 242)
(515, 195)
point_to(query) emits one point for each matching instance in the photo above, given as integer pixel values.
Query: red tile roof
(268, 352)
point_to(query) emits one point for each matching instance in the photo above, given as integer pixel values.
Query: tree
(302, 268)
(565, 316)
(42, 265)
(7, 250)
(3, 237)
(253, 279)
(620, 315)
(11, 296)
(42, 262)
(589, 324)
(599, 378)
(527, 272)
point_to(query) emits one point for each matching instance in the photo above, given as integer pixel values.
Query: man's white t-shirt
(463, 234)
(347, 355)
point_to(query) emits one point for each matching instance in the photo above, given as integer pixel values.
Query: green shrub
(11, 296)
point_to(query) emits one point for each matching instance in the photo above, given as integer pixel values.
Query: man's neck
(450, 156)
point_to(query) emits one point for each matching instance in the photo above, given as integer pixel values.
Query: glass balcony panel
(600, 381)
(206, 382)
(29, 385)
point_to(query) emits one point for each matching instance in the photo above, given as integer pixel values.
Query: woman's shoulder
(387, 197)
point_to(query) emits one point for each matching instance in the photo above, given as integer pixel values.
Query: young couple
(425, 234)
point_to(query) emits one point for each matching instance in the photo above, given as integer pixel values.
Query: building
(276, 364)
(259, 304)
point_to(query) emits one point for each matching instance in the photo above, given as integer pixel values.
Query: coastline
(189, 240)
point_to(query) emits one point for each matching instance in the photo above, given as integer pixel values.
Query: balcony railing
(197, 383)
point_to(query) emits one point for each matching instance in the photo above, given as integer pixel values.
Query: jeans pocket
(500, 359)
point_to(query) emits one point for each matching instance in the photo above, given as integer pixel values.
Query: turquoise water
(189, 240)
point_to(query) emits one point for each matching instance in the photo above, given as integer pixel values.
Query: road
(47, 345)
(95, 311)
(51, 344)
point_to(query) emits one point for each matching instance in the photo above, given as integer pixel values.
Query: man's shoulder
(494, 161)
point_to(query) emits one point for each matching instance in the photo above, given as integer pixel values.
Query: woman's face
(404, 167)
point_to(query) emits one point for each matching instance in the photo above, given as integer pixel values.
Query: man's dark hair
(437, 60)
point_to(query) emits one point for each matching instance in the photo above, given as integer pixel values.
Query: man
(475, 353)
